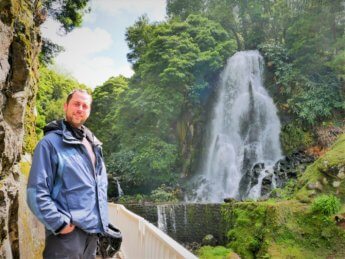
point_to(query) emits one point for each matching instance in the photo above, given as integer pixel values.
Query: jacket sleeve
(40, 185)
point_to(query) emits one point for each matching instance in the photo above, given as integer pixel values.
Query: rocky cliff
(19, 48)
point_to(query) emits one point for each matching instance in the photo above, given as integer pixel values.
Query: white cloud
(81, 41)
(155, 8)
(93, 71)
(92, 54)
(50, 30)
(81, 56)
(126, 70)
(84, 41)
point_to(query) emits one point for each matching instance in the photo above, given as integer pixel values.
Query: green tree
(104, 106)
(313, 38)
(68, 13)
(137, 37)
(183, 8)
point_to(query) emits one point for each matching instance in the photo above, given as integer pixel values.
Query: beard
(76, 120)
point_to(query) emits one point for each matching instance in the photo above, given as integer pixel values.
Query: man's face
(78, 109)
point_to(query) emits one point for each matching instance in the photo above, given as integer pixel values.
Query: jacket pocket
(80, 203)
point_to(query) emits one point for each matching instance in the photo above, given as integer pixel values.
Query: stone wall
(31, 231)
(186, 223)
(19, 48)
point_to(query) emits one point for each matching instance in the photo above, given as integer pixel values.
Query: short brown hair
(70, 95)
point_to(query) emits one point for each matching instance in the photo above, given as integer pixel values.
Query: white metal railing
(143, 240)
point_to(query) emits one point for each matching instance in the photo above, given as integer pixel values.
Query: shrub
(326, 205)
(294, 137)
(163, 194)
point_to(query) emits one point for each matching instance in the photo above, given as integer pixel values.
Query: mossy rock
(287, 229)
(294, 137)
(290, 228)
(25, 168)
(328, 173)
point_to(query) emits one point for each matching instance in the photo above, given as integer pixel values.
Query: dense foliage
(106, 98)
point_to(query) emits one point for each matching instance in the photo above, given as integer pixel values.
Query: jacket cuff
(66, 221)
(57, 231)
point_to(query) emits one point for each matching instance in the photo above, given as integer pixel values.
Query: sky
(97, 50)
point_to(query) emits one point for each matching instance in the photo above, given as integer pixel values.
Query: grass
(218, 252)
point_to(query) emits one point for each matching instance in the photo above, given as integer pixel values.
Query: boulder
(209, 240)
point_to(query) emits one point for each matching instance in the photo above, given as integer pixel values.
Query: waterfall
(166, 214)
(244, 131)
(166, 221)
(162, 218)
(120, 191)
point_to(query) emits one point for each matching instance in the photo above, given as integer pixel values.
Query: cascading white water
(166, 219)
(162, 218)
(244, 131)
(119, 189)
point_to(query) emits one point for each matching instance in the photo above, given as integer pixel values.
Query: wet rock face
(285, 169)
(19, 48)
(6, 36)
(289, 167)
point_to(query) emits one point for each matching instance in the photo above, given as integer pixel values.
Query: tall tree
(104, 106)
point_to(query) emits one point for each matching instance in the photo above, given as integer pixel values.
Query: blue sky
(97, 50)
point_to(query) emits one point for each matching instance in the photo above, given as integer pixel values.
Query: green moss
(218, 252)
(294, 137)
(285, 193)
(30, 137)
(247, 220)
(192, 213)
(291, 251)
(287, 229)
(208, 212)
(25, 31)
(5, 14)
(25, 168)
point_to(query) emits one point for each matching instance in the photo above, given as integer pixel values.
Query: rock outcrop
(326, 175)
(19, 48)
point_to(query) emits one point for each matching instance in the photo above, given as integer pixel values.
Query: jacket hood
(52, 126)
(68, 132)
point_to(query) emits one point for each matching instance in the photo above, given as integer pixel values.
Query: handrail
(143, 240)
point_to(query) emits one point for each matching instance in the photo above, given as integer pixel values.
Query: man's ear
(65, 107)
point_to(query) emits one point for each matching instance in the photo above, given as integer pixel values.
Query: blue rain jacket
(63, 185)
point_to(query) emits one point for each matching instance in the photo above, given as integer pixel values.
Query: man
(67, 188)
